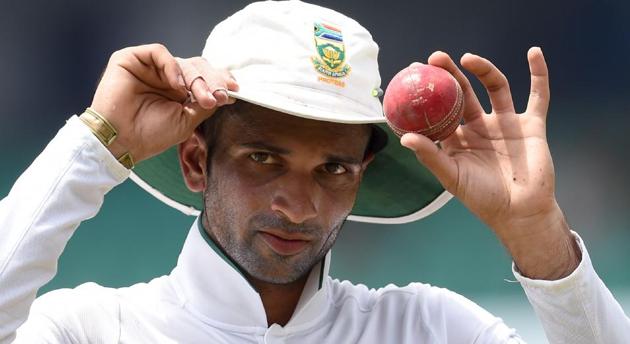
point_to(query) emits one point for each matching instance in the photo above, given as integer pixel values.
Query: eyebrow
(265, 146)
(283, 151)
(345, 159)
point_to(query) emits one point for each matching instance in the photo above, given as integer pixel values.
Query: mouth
(284, 244)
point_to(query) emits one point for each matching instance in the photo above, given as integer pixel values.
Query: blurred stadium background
(52, 53)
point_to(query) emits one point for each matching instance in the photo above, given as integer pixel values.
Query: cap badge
(331, 59)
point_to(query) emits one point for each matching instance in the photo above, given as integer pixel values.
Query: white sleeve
(63, 186)
(578, 308)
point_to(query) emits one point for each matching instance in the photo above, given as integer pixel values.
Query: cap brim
(395, 187)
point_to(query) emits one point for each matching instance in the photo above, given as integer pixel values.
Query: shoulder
(72, 316)
(417, 304)
(88, 300)
(367, 298)
(97, 300)
(90, 311)
(419, 294)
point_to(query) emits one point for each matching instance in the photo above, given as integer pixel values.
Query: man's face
(279, 189)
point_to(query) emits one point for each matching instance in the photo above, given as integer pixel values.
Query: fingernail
(404, 142)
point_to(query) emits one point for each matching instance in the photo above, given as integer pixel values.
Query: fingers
(171, 68)
(196, 114)
(232, 85)
(194, 82)
(220, 81)
(157, 57)
(208, 85)
(216, 79)
(493, 80)
(433, 158)
(202, 93)
(539, 94)
(472, 108)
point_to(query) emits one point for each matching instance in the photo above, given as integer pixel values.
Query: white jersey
(205, 299)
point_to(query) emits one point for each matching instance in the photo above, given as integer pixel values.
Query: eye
(261, 157)
(335, 168)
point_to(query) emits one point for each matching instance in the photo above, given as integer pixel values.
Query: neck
(279, 300)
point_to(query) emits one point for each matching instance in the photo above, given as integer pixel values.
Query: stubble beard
(273, 268)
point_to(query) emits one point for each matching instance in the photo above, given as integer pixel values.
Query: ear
(193, 155)
(367, 160)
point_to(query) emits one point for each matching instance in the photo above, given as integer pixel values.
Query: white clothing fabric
(206, 300)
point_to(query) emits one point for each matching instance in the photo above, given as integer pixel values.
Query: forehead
(258, 123)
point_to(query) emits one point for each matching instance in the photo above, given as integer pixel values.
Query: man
(275, 174)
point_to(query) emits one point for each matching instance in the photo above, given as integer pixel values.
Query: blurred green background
(52, 53)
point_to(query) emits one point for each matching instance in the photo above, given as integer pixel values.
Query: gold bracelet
(126, 160)
(105, 132)
(100, 126)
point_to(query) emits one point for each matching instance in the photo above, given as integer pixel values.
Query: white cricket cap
(300, 59)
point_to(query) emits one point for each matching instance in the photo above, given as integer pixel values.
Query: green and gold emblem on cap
(331, 61)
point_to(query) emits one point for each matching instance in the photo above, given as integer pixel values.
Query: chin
(280, 271)
(277, 277)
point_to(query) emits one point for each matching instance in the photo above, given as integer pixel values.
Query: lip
(284, 244)
(285, 235)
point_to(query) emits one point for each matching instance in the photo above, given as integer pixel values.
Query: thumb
(443, 167)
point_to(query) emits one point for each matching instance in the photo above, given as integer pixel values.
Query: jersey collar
(209, 284)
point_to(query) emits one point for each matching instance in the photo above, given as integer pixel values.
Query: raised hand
(144, 93)
(500, 167)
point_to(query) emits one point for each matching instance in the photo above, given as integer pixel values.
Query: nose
(296, 197)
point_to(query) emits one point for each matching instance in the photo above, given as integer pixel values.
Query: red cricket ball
(423, 99)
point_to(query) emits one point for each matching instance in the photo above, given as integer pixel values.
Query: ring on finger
(192, 82)
(222, 89)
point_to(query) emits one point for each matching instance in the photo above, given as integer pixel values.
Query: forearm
(64, 186)
(577, 308)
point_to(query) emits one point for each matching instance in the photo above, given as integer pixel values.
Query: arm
(143, 94)
(499, 165)
(64, 186)
(590, 311)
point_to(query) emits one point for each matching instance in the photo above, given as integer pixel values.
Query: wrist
(117, 149)
(542, 247)
(107, 135)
